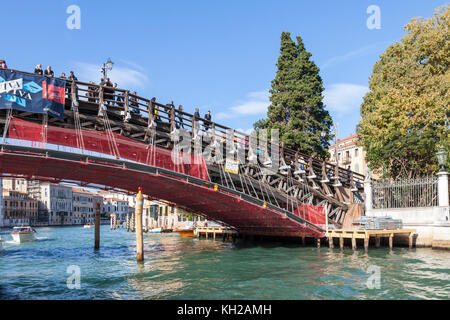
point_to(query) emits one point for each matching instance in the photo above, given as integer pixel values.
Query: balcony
(347, 160)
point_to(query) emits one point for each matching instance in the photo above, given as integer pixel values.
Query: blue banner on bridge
(32, 93)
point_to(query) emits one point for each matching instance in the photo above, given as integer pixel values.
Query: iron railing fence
(405, 193)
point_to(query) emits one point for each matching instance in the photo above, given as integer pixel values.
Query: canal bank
(176, 267)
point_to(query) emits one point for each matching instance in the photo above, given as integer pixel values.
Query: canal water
(191, 268)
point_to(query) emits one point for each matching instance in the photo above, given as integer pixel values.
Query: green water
(189, 268)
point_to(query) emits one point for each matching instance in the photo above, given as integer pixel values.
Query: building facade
(18, 209)
(57, 202)
(349, 154)
(83, 206)
(117, 206)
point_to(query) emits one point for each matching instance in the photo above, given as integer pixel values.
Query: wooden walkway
(214, 231)
(342, 234)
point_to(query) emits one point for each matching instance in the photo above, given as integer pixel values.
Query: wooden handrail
(170, 113)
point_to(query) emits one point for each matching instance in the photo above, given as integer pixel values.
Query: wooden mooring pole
(139, 229)
(97, 227)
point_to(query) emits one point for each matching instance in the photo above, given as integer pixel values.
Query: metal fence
(405, 193)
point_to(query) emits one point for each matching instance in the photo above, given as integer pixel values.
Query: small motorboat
(23, 234)
(186, 232)
(88, 225)
(155, 230)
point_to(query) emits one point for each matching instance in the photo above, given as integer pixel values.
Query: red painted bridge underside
(245, 216)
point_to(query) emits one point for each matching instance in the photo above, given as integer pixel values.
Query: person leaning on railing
(180, 117)
(49, 72)
(72, 77)
(120, 96)
(155, 110)
(207, 121)
(92, 92)
(38, 70)
(134, 104)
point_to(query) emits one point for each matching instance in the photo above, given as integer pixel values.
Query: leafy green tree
(405, 113)
(297, 109)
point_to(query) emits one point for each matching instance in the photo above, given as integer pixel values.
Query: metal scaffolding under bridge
(115, 140)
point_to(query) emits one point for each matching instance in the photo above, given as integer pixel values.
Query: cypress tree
(296, 106)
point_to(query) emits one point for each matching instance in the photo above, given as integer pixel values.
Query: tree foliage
(296, 108)
(405, 113)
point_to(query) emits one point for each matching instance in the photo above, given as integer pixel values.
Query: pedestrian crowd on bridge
(114, 97)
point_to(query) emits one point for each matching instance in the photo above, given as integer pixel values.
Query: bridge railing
(136, 108)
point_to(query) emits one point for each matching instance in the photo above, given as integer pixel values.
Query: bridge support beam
(97, 227)
(139, 228)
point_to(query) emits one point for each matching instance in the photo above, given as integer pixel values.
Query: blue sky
(215, 55)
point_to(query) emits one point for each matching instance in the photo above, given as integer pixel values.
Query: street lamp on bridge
(107, 66)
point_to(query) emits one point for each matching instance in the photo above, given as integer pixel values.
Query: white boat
(88, 225)
(23, 234)
(155, 230)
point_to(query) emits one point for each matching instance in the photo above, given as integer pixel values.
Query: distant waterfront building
(349, 154)
(117, 206)
(83, 206)
(159, 214)
(57, 201)
(16, 184)
(18, 209)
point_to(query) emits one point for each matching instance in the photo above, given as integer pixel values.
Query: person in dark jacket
(38, 70)
(49, 72)
(180, 117)
(73, 78)
(207, 121)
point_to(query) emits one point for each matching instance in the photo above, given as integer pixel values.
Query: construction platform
(366, 235)
(214, 231)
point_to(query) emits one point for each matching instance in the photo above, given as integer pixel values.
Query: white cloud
(246, 131)
(255, 103)
(123, 76)
(352, 54)
(344, 97)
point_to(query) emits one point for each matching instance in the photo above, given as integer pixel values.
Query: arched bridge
(113, 139)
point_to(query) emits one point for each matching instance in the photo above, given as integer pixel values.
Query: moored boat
(88, 225)
(23, 234)
(186, 232)
(155, 230)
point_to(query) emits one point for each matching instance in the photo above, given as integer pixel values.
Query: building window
(356, 152)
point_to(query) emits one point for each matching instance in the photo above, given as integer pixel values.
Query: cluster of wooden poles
(137, 223)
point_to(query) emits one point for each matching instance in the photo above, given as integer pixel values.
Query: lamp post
(442, 177)
(107, 66)
(442, 158)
